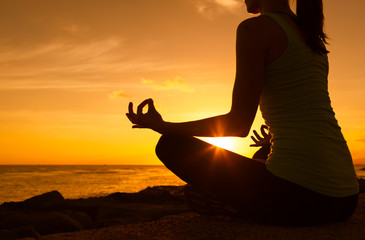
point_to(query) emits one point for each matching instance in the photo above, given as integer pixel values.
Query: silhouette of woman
(308, 177)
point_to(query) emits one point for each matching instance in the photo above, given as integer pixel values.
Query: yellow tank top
(308, 147)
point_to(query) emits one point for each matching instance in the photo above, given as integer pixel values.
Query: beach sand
(189, 225)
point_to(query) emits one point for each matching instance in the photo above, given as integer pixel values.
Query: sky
(68, 70)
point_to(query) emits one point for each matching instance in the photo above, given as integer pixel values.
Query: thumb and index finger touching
(140, 106)
(148, 102)
(131, 115)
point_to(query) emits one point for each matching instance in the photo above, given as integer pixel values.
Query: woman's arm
(251, 48)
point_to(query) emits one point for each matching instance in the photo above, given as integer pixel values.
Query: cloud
(147, 81)
(56, 62)
(75, 29)
(176, 83)
(210, 8)
(87, 66)
(227, 3)
(119, 94)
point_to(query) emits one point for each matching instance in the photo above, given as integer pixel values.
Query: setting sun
(223, 142)
(234, 144)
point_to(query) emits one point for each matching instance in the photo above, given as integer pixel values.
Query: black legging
(248, 186)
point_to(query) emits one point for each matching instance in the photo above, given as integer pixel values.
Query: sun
(223, 142)
(238, 145)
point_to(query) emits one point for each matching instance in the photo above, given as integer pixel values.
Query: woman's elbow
(244, 134)
(240, 132)
(237, 126)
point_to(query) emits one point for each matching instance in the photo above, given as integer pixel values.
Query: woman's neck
(275, 6)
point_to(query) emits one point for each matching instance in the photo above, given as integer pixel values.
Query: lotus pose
(304, 174)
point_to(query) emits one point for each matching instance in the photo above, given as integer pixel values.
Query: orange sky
(69, 68)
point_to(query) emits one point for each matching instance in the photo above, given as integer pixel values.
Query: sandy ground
(192, 226)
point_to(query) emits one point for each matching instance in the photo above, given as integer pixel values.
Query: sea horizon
(20, 182)
(51, 164)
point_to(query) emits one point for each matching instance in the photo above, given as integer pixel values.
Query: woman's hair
(310, 20)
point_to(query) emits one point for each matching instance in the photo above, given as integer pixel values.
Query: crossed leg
(232, 178)
(247, 185)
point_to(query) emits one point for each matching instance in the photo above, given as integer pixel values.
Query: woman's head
(253, 6)
(260, 6)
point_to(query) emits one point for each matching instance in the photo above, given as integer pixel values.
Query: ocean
(19, 182)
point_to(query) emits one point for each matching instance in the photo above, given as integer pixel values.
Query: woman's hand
(261, 141)
(152, 119)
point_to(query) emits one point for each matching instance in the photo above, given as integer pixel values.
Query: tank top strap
(289, 31)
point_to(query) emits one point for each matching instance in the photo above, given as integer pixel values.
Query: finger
(130, 108)
(257, 135)
(263, 131)
(151, 106)
(130, 117)
(254, 139)
(141, 106)
(138, 126)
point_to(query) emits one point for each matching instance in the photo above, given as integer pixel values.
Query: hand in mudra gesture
(261, 141)
(152, 119)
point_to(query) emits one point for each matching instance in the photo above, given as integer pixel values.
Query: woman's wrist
(162, 128)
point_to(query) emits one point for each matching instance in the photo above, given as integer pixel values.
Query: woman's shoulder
(257, 27)
(256, 23)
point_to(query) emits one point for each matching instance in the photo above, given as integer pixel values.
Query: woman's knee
(172, 147)
(161, 147)
(168, 151)
(165, 147)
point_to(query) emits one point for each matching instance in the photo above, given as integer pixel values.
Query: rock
(362, 185)
(165, 193)
(81, 217)
(15, 220)
(120, 221)
(50, 213)
(23, 232)
(43, 201)
(151, 194)
(114, 211)
(56, 222)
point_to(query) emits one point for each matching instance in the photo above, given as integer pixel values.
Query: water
(21, 182)
(360, 171)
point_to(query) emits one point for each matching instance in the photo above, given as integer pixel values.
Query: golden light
(234, 144)
(223, 142)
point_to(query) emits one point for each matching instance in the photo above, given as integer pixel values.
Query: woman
(282, 66)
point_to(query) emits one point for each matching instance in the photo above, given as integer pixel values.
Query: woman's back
(307, 145)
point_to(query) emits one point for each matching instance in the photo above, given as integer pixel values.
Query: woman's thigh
(229, 176)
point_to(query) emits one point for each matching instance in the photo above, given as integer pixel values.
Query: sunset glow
(70, 68)
(223, 142)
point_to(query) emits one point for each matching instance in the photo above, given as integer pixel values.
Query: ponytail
(310, 20)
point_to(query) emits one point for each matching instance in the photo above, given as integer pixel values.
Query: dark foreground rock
(50, 213)
(195, 227)
(159, 211)
(362, 185)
